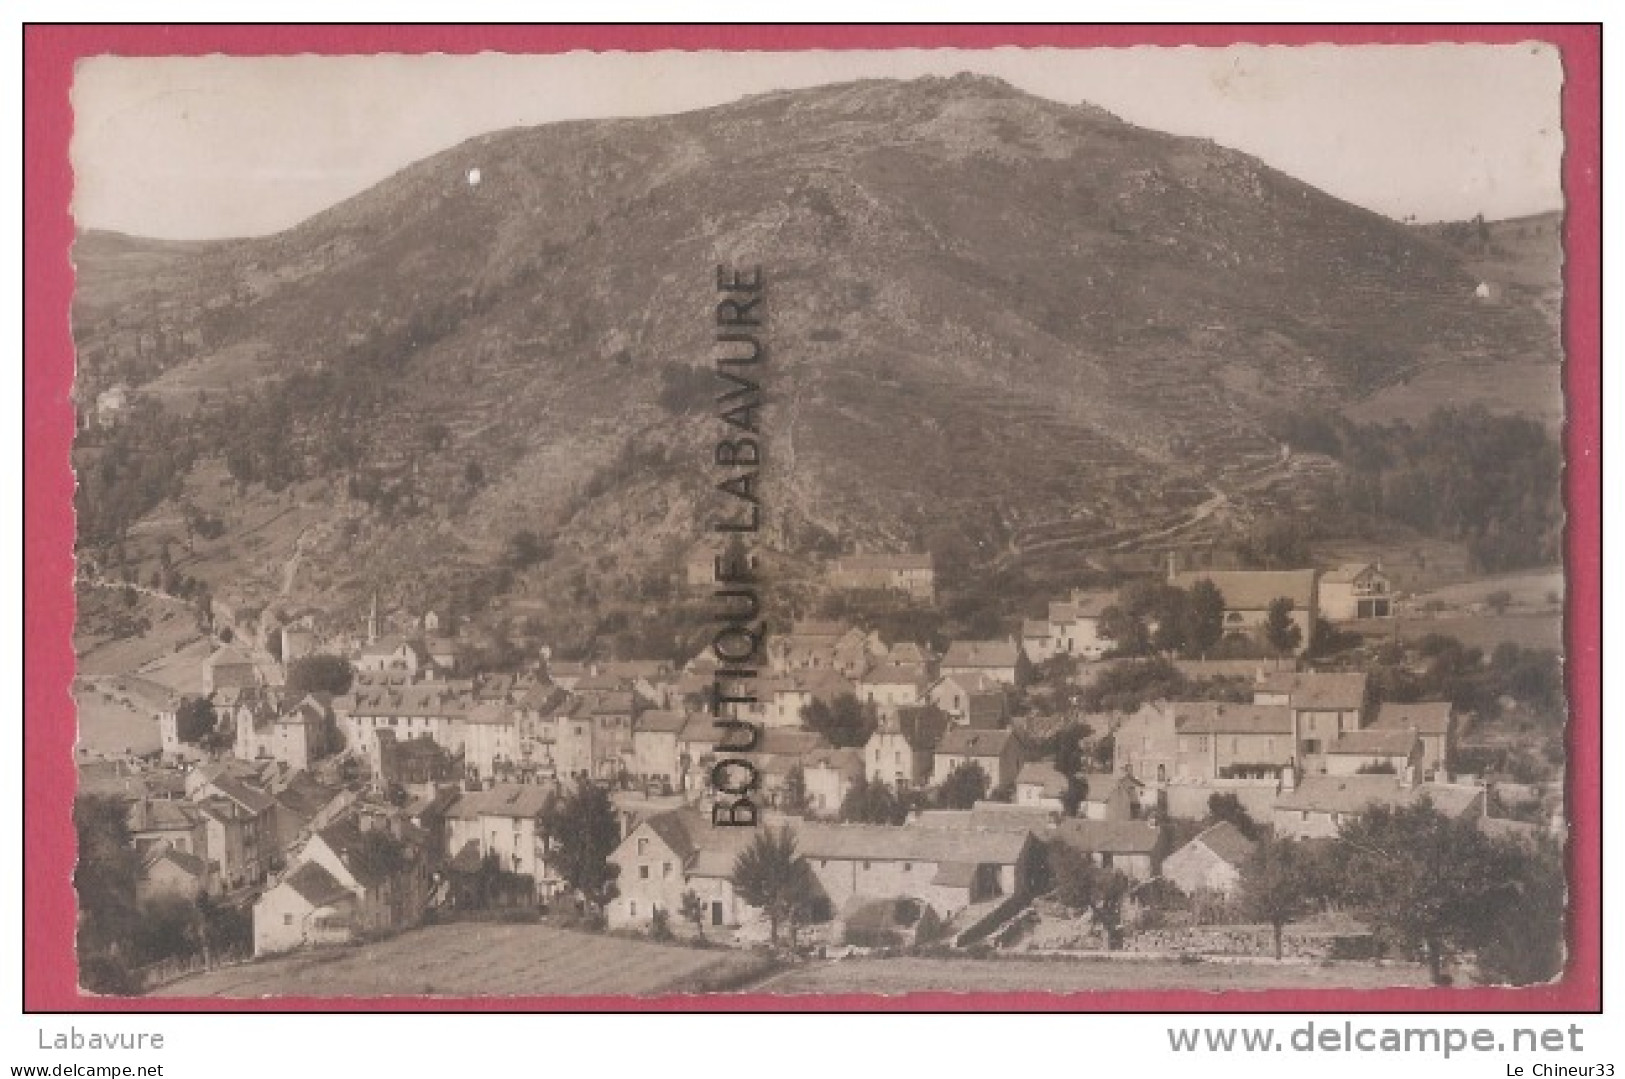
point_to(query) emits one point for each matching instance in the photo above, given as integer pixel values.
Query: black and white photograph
(820, 523)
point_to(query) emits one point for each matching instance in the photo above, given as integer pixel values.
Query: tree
(660, 924)
(795, 790)
(1083, 886)
(772, 877)
(693, 910)
(1498, 601)
(221, 737)
(379, 855)
(581, 830)
(1433, 883)
(872, 803)
(1067, 749)
(1282, 633)
(194, 719)
(105, 880)
(1204, 617)
(965, 786)
(1277, 885)
(1125, 687)
(319, 674)
(845, 722)
(1126, 631)
(1528, 947)
(1225, 806)
(1071, 760)
(474, 474)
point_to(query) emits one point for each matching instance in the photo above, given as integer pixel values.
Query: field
(1076, 975)
(534, 960)
(112, 723)
(1475, 631)
(482, 960)
(1073, 975)
(1533, 589)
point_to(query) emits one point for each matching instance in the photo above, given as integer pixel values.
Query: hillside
(1003, 327)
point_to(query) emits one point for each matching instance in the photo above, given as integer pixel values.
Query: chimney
(1173, 566)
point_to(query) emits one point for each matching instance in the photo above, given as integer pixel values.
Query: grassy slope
(478, 959)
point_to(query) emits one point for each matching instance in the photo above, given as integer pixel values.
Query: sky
(208, 147)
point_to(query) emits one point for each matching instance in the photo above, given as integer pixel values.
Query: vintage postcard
(844, 521)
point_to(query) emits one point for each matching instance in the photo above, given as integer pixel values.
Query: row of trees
(1442, 667)
(1430, 886)
(1433, 886)
(1153, 617)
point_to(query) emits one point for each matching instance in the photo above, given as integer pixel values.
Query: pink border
(49, 54)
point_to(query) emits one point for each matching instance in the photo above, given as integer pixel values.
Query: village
(1086, 787)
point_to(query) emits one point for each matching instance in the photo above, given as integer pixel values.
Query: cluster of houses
(343, 815)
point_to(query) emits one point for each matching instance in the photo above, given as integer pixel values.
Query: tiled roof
(988, 816)
(637, 668)
(661, 722)
(155, 815)
(702, 728)
(1216, 717)
(518, 801)
(190, 864)
(1355, 794)
(1226, 840)
(228, 655)
(490, 714)
(1374, 741)
(1098, 786)
(419, 700)
(981, 654)
(971, 742)
(254, 801)
(1109, 836)
(972, 684)
(1346, 573)
(880, 842)
(1428, 717)
(316, 885)
(1311, 691)
(706, 851)
(922, 727)
(1042, 774)
(610, 704)
(896, 674)
(846, 761)
(304, 797)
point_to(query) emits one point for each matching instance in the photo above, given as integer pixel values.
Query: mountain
(1013, 330)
